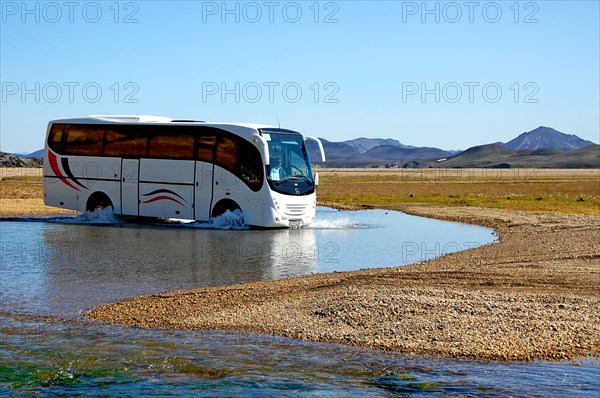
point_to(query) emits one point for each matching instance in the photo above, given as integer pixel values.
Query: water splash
(104, 216)
(230, 220)
(338, 223)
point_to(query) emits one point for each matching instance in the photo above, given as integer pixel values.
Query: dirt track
(534, 295)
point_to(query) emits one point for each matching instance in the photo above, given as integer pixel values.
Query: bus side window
(251, 169)
(55, 137)
(206, 148)
(83, 140)
(227, 154)
(125, 145)
(171, 146)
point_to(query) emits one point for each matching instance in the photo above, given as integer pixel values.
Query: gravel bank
(532, 296)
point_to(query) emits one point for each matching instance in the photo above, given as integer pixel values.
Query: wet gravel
(532, 296)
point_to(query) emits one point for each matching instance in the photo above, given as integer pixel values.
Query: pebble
(515, 300)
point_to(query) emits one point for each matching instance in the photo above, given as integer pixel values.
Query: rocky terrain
(10, 160)
(532, 296)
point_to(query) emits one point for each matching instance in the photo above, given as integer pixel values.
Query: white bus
(151, 166)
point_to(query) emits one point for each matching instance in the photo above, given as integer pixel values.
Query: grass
(541, 190)
(20, 190)
(21, 173)
(21, 183)
(559, 191)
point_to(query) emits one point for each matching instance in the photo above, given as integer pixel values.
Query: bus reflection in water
(91, 265)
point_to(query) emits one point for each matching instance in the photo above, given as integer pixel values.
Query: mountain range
(541, 147)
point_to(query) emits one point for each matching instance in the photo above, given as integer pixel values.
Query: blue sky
(444, 74)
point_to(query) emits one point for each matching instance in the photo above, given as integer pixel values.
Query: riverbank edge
(485, 303)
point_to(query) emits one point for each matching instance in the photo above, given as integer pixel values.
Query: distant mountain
(499, 156)
(341, 154)
(37, 154)
(546, 137)
(362, 144)
(586, 157)
(542, 147)
(479, 151)
(391, 153)
(333, 151)
(490, 155)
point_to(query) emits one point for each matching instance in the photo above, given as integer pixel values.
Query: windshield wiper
(288, 178)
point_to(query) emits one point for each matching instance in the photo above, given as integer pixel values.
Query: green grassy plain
(570, 191)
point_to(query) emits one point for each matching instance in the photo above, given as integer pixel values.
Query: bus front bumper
(290, 215)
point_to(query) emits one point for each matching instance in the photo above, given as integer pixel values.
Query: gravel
(532, 296)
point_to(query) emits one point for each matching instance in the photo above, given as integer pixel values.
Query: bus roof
(150, 119)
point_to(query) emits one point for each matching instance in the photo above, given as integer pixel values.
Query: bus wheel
(222, 206)
(98, 201)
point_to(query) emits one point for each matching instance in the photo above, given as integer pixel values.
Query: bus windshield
(289, 170)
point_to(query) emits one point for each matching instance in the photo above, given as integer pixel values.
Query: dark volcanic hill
(490, 155)
(546, 137)
(37, 154)
(333, 151)
(481, 151)
(498, 156)
(363, 144)
(587, 157)
(392, 153)
(344, 154)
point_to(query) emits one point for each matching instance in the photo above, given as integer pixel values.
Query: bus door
(130, 186)
(167, 188)
(204, 190)
(203, 186)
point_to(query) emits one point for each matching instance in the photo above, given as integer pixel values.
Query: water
(54, 267)
(59, 265)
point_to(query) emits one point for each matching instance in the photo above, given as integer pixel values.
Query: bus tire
(98, 201)
(222, 206)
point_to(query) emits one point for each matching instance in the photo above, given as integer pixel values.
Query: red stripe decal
(163, 198)
(54, 166)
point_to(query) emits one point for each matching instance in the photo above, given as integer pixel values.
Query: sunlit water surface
(54, 267)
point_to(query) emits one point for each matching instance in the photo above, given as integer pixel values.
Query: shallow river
(54, 267)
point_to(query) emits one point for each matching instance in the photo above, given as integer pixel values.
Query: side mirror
(319, 143)
(316, 180)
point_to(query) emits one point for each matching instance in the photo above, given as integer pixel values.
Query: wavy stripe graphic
(164, 191)
(162, 197)
(67, 169)
(54, 166)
